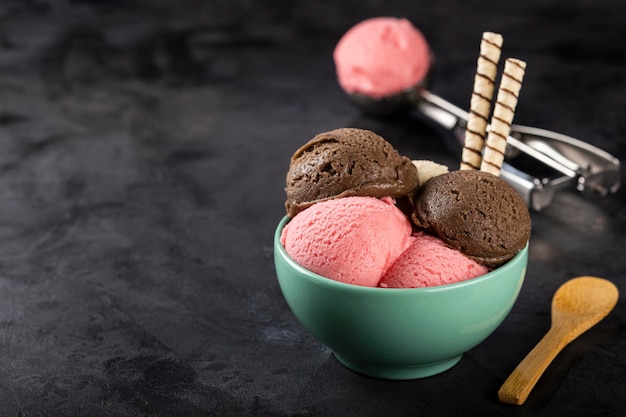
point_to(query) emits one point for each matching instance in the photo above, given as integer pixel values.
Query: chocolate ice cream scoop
(347, 162)
(475, 212)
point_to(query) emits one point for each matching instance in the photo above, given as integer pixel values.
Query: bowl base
(399, 372)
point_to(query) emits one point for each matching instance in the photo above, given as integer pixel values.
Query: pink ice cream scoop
(354, 240)
(381, 57)
(429, 262)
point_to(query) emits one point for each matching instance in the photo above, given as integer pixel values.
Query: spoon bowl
(384, 106)
(577, 305)
(582, 303)
(397, 103)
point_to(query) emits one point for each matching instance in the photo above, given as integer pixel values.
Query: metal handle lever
(559, 161)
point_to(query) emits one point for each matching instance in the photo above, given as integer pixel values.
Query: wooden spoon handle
(522, 380)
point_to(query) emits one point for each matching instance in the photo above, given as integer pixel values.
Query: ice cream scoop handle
(523, 379)
(452, 117)
(442, 111)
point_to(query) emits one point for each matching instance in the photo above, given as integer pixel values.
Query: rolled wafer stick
(480, 103)
(502, 117)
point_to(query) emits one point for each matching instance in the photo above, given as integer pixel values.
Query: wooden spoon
(578, 305)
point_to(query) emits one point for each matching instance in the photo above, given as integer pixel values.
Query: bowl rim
(322, 280)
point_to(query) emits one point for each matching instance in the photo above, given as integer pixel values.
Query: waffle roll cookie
(480, 103)
(502, 117)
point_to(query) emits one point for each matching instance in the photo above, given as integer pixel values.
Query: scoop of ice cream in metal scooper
(383, 65)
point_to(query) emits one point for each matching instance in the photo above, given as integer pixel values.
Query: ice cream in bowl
(398, 266)
(399, 333)
(401, 266)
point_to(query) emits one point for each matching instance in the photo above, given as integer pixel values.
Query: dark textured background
(143, 147)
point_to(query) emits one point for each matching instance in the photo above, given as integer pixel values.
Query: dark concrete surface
(143, 148)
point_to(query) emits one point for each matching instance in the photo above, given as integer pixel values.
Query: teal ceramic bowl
(404, 333)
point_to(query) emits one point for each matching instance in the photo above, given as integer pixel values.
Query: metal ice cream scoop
(538, 162)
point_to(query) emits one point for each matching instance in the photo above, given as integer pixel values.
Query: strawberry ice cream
(354, 240)
(430, 262)
(381, 57)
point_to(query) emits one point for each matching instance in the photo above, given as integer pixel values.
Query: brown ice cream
(475, 212)
(347, 162)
